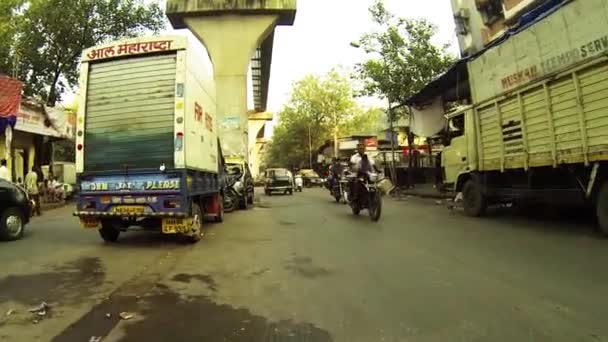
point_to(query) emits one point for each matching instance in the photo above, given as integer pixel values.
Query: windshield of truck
(129, 113)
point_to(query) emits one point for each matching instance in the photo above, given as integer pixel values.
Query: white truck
(147, 150)
(537, 129)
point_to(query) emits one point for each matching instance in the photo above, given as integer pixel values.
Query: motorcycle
(369, 195)
(231, 196)
(299, 183)
(338, 189)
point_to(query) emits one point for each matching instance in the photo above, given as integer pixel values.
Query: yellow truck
(537, 129)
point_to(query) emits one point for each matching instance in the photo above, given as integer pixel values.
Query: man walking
(31, 186)
(4, 174)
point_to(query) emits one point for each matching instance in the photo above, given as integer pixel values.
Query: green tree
(44, 40)
(319, 108)
(402, 58)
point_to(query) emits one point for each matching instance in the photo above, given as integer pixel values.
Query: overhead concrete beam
(177, 10)
(232, 30)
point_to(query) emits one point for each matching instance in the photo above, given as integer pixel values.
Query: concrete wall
(478, 34)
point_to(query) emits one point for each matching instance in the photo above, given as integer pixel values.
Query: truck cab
(459, 156)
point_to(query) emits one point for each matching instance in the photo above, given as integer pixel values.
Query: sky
(321, 35)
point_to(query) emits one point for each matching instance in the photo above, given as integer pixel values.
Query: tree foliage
(318, 105)
(402, 58)
(41, 41)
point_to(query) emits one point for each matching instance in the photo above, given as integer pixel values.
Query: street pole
(309, 147)
(392, 130)
(335, 136)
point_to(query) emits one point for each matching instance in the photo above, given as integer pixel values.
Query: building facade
(480, 22)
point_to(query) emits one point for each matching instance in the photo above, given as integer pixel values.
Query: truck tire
(244, 203)
(601, 208)
(475, 203)
(196, 229)
(252, 198)
(12, 225)
(108, 232)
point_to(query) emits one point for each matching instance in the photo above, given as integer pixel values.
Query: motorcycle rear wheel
(375, 207)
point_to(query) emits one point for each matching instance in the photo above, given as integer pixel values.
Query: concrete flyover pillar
(231, 30)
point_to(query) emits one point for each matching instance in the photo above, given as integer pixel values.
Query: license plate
(90, 223)
(172, 225)
(129, 209)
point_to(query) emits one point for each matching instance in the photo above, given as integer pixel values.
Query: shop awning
(10, 95)
(452, 85)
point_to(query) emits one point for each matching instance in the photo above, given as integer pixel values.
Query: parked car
(15, 211)
(311, 178)
(278, 180)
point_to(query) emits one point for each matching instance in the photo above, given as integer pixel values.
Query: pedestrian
(4, 174)
(31, 186)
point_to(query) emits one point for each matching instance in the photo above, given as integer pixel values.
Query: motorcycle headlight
(238, 186)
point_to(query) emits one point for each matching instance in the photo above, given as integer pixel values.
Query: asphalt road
(303, 268)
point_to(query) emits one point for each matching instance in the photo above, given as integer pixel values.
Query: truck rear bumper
(130, 215)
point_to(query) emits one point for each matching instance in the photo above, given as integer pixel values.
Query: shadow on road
(551, 220)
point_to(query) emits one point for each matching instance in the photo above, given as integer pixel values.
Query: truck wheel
(601, 208)
(244, 203)
(12, 226)
(475, 203)
(108, 232)
(195, 233)
(252, 198)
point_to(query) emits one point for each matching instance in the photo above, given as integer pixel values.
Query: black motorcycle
(368, 195)
(231, 196)
(337, 189)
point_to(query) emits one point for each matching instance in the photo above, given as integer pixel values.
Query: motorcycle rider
(360, 165)
(335, 172)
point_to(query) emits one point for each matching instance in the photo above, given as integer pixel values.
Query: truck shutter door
(129, 113)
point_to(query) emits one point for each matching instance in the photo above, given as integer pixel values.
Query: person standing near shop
(4, 174)
(31, 186)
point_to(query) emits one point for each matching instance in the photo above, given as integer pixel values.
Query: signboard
(554, 43)
(348, 145)
(32, 121)
(134, 47)
(130, 48)
(371, 142)
(131, 183)
(231, 122)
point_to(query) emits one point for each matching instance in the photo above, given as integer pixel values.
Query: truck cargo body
(538, 126)
(147, 145)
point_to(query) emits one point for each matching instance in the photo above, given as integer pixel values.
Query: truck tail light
(79, 147)
(171, 204)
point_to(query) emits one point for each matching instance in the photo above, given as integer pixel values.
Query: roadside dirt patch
(305, 267)
(203, 278)
(200, 319)
(64, 284)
